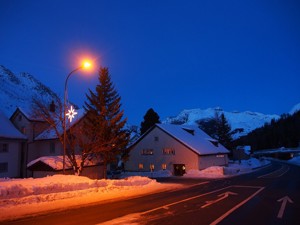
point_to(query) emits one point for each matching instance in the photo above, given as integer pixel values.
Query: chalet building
(30, 148)
(177, 148)
(26, 123)
(12, 149)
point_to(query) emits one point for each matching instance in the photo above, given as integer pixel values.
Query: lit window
(141, 166)
(147, 152)
(151, 167)
(164, 166)
(4, 147)
(169, 151)
(4, 167)
(220, 156)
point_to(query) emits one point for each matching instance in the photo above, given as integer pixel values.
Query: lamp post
(83, 66)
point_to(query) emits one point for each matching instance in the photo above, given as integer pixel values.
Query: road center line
(283, 169)
(236, 207)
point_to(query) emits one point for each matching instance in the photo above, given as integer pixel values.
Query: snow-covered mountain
(241, 122)
(18, 90)
(295, 109)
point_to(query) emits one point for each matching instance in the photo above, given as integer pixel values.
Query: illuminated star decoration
(71, 113)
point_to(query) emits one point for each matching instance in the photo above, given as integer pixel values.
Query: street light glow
(86, 64)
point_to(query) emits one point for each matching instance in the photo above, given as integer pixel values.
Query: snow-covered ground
(21, 197)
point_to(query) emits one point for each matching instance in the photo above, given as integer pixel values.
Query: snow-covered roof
(50, 132)
(56, 162)
(194, 138)
(8, 130)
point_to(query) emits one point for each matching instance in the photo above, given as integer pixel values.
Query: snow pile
(20, 197)
(210, 172)
(19, 188)
(295, 160)
(233, 168)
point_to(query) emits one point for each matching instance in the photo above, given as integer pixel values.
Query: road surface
(270, 195)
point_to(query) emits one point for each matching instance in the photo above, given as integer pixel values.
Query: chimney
(52, 107)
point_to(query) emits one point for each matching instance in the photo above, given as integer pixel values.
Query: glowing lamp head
(86, 65)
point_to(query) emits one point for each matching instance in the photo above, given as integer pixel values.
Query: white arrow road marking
(284, 200)
(223, 196)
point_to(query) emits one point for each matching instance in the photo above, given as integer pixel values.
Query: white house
(12, 149)
(177, 148)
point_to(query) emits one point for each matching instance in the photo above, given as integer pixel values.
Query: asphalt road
(266, 196)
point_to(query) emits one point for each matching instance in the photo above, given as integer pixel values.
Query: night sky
(168, 55)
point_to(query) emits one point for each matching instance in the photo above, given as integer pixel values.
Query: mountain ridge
(241, 122)
(18, 90)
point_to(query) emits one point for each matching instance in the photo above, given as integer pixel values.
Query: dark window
(147, 152)
(214, 142)
(4, 167)
(156, 138)
(191, 131)
(3, 147)
(52, 147)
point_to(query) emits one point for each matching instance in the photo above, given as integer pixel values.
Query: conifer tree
(104, 126)
(223, 132)
(150, 119)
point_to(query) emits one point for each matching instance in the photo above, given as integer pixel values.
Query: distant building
(177, 148)
(241, 152)
(28, 147)
(12, 149)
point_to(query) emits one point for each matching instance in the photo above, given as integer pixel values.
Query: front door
(179, 169)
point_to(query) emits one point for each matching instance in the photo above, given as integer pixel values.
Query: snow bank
(233, 168)
(19, 197)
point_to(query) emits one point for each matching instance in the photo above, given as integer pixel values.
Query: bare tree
(76, 152)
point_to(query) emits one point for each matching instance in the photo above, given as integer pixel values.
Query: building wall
(30, 128)
(44, 148)
(157, 140)
(212, 160)
(12, 158)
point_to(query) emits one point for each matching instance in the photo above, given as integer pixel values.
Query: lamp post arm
(64, 117)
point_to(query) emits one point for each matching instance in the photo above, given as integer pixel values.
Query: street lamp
(85, 65)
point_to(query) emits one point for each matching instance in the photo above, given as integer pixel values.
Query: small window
(151, 166)
(220, 156)
(214, 142)
(4, 167)
(52, 147)
(169, 151)
(190, 131)
(163, 166)
(20, 118)
(23, 130)
(4, 147)
(147, 152)
(156, 138)
(141, 166)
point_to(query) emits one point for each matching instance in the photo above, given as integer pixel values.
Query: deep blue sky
(168, 55)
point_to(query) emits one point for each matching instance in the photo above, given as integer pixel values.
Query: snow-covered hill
(18, 90)
(295, 109)
(244, 122)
